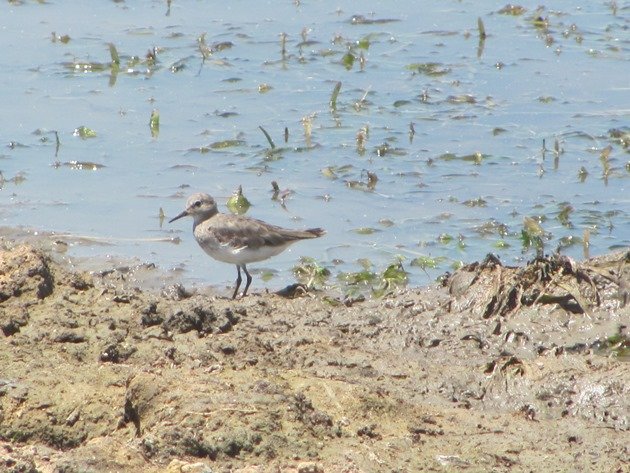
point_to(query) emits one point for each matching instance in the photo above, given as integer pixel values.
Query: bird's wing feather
(243, 232)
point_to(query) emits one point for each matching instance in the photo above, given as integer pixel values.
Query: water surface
(455, 190)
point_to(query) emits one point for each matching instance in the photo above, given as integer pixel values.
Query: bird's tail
(315, 232)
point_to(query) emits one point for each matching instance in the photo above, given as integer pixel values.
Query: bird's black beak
(183, 214)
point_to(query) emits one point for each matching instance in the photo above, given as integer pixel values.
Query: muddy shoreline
(499, 369)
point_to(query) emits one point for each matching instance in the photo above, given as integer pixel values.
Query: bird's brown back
(248, 232)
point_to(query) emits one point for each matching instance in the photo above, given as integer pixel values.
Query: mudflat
(496, 369)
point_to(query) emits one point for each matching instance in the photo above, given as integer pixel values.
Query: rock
(12, 321)
(310, 467)
(196, 314)
(70, 337)
(150, 316)
(116, 352)
(179, 466)
(24, 271)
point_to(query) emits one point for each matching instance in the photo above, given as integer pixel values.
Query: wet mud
(497, 369)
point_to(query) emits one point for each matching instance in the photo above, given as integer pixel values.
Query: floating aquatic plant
(401, 103)
(267, 275)
(445, 238)
(461, 99)
(364, 43)
(362, 102)
(362, 61)
(360, 140)
(334, 95)
(363, 20)
(57, 142)
(154, 123)
(368, 185)
(481, 28)
(532, 235)
(238, 203)
(348, 60)
(221, 46)
(310, 273)
(478, 202)
(363, 277)
(272, 145)
(334, 172)
(379, 284)
(394, 277)
(130, 65)
(563, 215)
(205, 51)
(366, 230)
(604, 158)
(372, 179)
(567, 242)
(455, 265)
(482, 37)
(18, 179)
(620, 136)
(274, 153)
(501, 244)
(514, 10)
(427, 262)
(55, 38)
(113, 52)
(151, 56)
(84, 132)
(492, 227)
(307, 124)
(280, 195)
(283, 45)
(540, 22)
(79, 165)
(179, 65)
(223, 144)
(432, 69)
(475, 158)
(386, 222)
(386, 150)
(582, 174)
(461, 242)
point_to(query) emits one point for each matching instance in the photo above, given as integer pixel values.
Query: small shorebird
(237, 239)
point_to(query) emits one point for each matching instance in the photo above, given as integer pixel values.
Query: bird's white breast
(234, 254)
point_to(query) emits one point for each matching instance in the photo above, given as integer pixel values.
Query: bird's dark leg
(249, 280)
(238, 280)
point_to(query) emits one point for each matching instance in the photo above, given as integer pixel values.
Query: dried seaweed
(575, 286)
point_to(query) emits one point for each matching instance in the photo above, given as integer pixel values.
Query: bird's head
(200, 207)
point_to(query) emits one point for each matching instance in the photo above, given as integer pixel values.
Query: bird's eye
(197, 204)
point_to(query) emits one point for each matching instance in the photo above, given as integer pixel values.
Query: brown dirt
(500, 369)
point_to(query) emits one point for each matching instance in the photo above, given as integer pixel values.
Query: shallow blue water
(567, 82)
